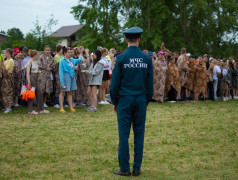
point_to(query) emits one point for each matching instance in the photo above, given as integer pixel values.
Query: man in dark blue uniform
(131, 91)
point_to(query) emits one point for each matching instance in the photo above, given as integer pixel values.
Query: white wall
(63, 42)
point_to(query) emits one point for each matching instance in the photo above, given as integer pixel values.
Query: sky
(22, 13)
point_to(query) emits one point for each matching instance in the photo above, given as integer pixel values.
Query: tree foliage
(101, 22)
(39, 37)
(202, 26)
(15, 36)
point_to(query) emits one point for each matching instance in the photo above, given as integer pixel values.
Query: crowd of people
(83, 78)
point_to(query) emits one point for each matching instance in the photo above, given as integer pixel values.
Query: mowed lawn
(185, 140)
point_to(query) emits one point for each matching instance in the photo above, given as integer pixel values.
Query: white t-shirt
(216, 70)
(225, 71)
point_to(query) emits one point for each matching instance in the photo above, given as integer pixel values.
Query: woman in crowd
(236, 92)
(160, 72)
(222, 82)
(182, 64)
(57, 59)
(200, 79)
(172, 78)
(210, 79)
(84, 78)
(46, 66)
(33, 80)
(106, 77)
(7, 81)
(18, 78)
(233, 73)
(216, 72)
(96, 73)
(67, 78)
(189, 85)
(78, 95)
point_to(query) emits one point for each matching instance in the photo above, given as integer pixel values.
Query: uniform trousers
(131, 111)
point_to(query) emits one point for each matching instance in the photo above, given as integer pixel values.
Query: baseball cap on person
(150, 53)
(160, 52)
(16, 51)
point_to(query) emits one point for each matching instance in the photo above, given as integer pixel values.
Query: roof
(67, 31)
(3, 34)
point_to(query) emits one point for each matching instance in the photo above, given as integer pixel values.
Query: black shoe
(122, 173)
(136, 172)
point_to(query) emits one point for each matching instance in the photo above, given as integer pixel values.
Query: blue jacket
(132, 75)
(66, 67)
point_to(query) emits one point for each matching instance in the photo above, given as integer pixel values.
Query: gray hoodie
(96, 73)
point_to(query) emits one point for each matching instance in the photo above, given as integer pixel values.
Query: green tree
(15, 36)
(202, 26)
(101, 23)
(3, 32)
(40, 36)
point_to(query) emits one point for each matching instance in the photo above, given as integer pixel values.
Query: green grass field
(185, 140)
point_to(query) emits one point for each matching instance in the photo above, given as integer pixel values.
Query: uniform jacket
(132, 75)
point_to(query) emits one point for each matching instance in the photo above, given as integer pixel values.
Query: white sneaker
(223, 99)
(15, 105)
(44, 112)
(105, 102)
(7, 110)
(101, 102)
(33, 112)
(45, 105)
(236, 97)
(56, 106)
(66, 105)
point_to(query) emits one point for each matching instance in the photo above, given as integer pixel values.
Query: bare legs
(92, 95)
(69, 98)
(102, 90)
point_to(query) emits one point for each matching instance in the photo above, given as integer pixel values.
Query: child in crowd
(223, 82)
(46, 66)
(96, 73)
(33, 80)
(7, 81)
(18, 78)
(67, 78)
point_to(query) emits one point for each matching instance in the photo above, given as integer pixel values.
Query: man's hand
(115, 108)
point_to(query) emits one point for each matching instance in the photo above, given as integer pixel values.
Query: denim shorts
(70, 83)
